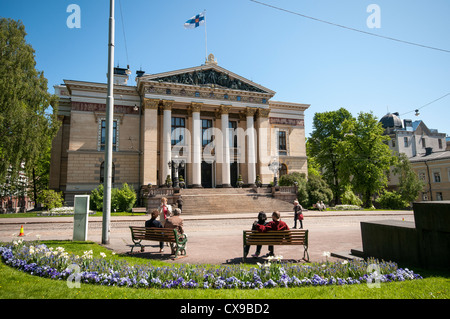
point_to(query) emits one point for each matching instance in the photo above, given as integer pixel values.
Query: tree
(322, 146)
(409, 183)
(26, 126)
(318, 190)
(366, 156)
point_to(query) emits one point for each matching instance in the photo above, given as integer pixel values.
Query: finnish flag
(195, 21)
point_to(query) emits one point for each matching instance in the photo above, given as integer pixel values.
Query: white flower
(326, 254)
(278, 258)
(103, 255)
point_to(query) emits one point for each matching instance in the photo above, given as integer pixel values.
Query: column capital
(250, 111)
(263, 113)
(167, 105)
(223, 109)
(194, 107)
(151, 104)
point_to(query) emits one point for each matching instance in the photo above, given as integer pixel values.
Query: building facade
(204, 125)
(427, 152)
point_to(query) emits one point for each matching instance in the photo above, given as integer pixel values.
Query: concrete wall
(424, 242)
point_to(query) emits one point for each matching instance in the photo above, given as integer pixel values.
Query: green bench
(280, 237)
(167, 235)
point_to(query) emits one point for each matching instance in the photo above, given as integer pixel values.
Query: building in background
(205, 123)
(427, 151)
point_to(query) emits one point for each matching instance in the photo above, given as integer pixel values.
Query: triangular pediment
(206, 75)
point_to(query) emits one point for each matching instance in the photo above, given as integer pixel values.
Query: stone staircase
(231, 200)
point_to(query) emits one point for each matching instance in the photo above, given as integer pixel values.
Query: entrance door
(233, 173)
(207, 175)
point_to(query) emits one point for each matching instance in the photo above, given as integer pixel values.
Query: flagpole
(109, 132)
(206, 38)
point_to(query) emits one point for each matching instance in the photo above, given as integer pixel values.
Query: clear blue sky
(303, 60)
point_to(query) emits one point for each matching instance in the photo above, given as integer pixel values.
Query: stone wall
(424, 242)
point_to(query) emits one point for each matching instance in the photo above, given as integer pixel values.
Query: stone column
(251, 147)
(196, 137)
(226, 146)
(166, 142)
(264, 146)
(149, 142)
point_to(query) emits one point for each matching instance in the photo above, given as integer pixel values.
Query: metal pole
(109, 132)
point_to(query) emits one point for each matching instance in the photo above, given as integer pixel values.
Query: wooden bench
(139, 210)
(281, 237)
(167, 235)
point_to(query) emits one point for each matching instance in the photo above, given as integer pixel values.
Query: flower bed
(61, 211)
(52, 263)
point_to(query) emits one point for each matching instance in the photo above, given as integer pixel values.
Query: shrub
(300, 178)
(96, 198)
(392, 200)
(122, 199)
(350, 198)
(125, 198)
(51, 199)
(318, 190)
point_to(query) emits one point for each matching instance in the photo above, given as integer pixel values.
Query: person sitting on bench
(152, 222)
(275, 224)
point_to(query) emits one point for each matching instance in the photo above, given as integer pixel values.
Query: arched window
(102, 172)
(283, 169)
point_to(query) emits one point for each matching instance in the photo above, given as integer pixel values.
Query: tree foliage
(328, 132)
(299, 178)
(366, 156)
(409, 183)
(26, 126)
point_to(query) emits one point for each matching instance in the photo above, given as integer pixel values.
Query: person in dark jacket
(261, 221)
(275, 224)
(152, 222)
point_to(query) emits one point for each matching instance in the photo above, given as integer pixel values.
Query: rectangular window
(422, 176)
(178, 128)
(206, 133)
(405, 140)
(423, 142)
(424, 196)
(439, 196)
(437, 177)
(440, 143)
(282, 145)
(103, 135)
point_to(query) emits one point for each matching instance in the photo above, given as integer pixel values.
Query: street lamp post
(109, 132)
(274, 166)
(176, 163)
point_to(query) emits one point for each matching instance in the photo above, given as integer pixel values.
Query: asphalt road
(212, 239)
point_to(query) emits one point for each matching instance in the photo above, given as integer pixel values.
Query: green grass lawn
(15, 284)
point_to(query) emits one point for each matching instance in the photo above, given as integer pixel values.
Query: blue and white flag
(195, 21)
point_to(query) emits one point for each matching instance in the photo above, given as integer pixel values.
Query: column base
(196, 186)
(226, 186)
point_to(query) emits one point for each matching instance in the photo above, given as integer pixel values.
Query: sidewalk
(215, 239)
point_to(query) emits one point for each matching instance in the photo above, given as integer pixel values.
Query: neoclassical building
(205, 124)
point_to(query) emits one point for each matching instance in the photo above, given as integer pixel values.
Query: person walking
(298, 214)
(165, 211)
(180, 203)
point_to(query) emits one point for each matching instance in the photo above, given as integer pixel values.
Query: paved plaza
(213, 239)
